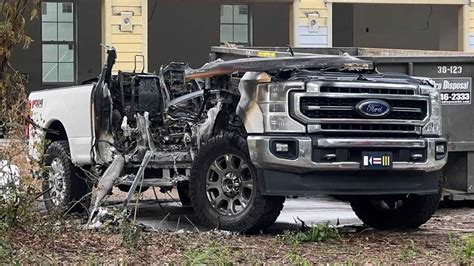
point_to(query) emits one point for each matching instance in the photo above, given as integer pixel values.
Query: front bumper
(301, 175)
(263, 158)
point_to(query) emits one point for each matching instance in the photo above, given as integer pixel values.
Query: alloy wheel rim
(56, 177)
(229, 184)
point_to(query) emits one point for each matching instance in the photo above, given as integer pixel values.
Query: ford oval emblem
(373, 108)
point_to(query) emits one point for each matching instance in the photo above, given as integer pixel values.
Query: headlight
(272, 98)
(434, 125)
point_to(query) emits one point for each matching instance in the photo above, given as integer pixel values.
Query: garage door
(431, 27)
(184, 31)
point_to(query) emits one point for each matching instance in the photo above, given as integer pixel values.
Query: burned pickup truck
(237, 137)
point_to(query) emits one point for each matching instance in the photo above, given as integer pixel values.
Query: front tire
(224, 188)
(396, 211)
(62, 185)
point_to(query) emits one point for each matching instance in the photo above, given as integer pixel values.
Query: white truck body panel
(70, 106)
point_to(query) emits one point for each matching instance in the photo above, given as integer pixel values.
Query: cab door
(102, 138)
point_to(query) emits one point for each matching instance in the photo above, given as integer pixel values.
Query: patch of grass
(94, 260)
(294, 258)
(5, 250)
(468, 247)
(317, 233)
(14, 254)
(211, 254)
(17, 208)
(131, 236)
(29, 256)
(461, 248)
(409, 253)
(455, 248)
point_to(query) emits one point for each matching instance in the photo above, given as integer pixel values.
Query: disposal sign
(454, 90)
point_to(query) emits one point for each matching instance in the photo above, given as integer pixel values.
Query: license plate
(376, 160)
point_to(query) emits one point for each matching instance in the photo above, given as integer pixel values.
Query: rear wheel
(63, 186)
(396, 211)
(224, 188)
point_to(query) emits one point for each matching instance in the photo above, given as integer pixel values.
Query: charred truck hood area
(176, 110)
(319, 62)
(148, 127)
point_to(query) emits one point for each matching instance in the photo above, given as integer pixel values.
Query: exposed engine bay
(149, 127)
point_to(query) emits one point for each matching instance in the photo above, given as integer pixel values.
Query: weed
(29, 256)
(212, 254)
(288, 237)
(455, 247)
(408, 253)
(131, 235)
(293, 240)
(296, 259)
(317, 233)
(461, 248)
(5, 250)
(94, 260)
(468, 247)
(18, 210)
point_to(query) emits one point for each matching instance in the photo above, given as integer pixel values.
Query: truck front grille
(404, 91)
(334, 107)
(331, 107)
(368, 127)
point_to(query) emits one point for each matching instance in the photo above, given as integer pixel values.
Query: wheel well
(57, 132)
(221, 122)
(227, 119)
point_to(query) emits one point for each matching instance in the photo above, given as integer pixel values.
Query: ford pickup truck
(235, 138)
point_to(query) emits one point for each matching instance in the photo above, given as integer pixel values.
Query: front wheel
(395, 211)
(224, 187)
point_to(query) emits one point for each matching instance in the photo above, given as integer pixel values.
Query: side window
(235, 24)
(58, 42)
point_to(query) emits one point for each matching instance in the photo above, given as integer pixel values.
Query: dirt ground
(446, 238)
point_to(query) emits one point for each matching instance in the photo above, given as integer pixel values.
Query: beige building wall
(322, 36)
(468, 30)
(125, 28)
(312, 23)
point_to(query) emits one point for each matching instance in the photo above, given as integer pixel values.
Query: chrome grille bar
(325, 110)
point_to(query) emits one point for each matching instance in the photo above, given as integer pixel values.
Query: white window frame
(233, 24)
(72, 43)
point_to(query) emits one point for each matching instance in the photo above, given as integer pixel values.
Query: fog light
(440, 148)
(281, 147)
(284, 148)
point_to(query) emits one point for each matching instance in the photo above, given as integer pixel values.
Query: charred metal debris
(149, 127)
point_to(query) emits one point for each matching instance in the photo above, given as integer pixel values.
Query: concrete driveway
(172, 216)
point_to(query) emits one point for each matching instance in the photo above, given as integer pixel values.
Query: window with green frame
(58, 41)
(235, 24)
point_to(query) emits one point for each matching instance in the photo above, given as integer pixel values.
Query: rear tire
(224, 188)
(396, 211)
(62, 184)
